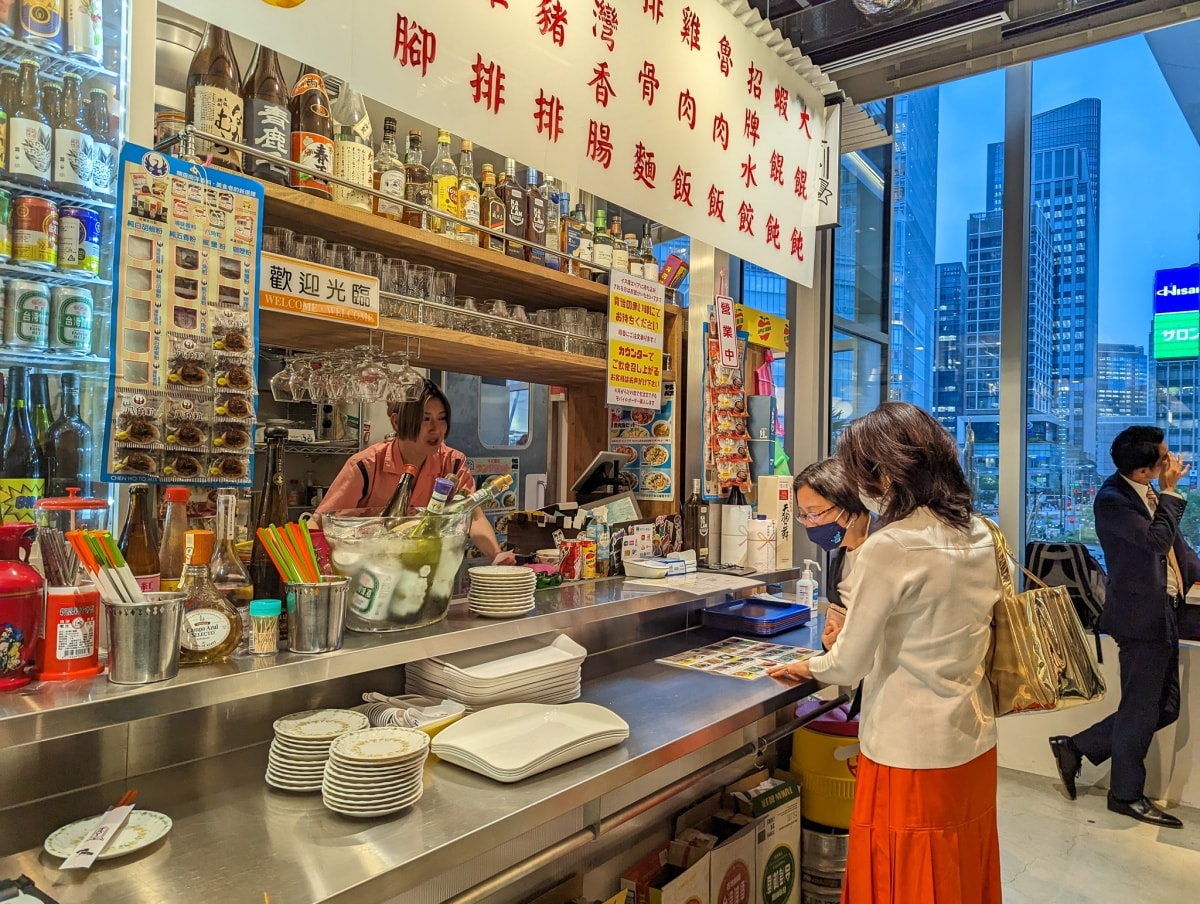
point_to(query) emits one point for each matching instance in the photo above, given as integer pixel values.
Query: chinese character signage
(672, 108)
(313, 290)
(185, 334)
(635, 342)
(727, 327)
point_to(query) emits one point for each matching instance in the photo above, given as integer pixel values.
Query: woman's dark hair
(1136, 447)
(827, 478)
(410, 415)
(901, 454)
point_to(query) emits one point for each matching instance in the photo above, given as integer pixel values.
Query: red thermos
(20, 605)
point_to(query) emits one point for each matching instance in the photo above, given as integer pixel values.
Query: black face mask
(827, 536)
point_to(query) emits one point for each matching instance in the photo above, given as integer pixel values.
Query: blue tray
(760, 617)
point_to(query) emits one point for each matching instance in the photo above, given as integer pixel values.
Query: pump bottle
(807, 588)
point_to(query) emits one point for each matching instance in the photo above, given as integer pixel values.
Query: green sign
(1177, 335)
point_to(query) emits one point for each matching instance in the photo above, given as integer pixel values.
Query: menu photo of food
(738, 657)
(647, 440)
(499, 512)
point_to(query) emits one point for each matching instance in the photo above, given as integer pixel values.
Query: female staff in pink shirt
(369, 478)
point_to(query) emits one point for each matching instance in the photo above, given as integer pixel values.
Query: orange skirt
(924, 836)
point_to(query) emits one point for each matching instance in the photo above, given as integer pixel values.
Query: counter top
(235, 838)
(50, 709)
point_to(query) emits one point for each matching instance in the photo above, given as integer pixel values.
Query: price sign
(635, 342)
(312, 290)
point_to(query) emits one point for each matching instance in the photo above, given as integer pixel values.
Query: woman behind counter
(919, 609)
(369, 478)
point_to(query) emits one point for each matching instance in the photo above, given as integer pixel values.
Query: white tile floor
(1056, 850)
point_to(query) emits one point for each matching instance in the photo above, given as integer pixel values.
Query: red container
(20, 605)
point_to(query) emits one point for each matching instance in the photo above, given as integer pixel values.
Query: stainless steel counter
(234, 838)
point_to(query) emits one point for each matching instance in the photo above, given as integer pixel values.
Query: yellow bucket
(826, 778)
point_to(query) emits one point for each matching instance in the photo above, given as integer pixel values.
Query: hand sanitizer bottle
(807, 588)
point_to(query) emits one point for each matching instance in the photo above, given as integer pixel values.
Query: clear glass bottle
(418, 184)
(602, 245)
(649, 261)
(468, 193)
(635, 256)
(137, 543)
(69, 444)
(620, 261)
(171, 549)
(353, 148)
(212, 627)
(570, 234)
(553, 239)
(388, 176)
(491, 212)
(272, 509)
(228, 573)
(489, 492)
(587, 245)
(445, 185)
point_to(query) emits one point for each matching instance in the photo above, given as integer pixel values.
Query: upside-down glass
(420, 282)
(395, 276)
(368, 263)
(338, 256)
(443, 287)
(278, 240)
(308, 248)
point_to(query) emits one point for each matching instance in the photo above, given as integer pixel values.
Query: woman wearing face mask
(919, 610)
(836, 520)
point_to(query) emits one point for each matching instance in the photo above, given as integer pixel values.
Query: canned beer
(5, 236)
(42, 23)
(78, 239)
(84, 32)
(71, 320)
(35, 231)
(26, 314)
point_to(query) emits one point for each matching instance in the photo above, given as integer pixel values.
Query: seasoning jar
(264, 626)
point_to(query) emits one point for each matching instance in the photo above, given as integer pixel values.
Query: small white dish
(319, 724)
(142, 829)
(386, 744)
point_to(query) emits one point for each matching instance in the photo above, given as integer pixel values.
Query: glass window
(859, 280)
(503, 414)
(856, 375)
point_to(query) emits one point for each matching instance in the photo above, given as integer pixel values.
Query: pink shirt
(369, 478)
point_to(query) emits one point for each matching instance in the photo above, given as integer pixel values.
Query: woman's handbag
(1040, 658)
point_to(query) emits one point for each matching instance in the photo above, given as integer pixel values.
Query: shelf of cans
(77, 38)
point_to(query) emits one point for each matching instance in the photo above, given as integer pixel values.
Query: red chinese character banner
(672, 108)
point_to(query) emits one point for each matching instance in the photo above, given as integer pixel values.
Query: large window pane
(856, 374)
(860, 242)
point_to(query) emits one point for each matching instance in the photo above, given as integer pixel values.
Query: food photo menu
(647, 440)
(182, 392)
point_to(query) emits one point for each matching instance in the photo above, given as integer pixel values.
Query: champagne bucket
(143, 639)
(317, 615)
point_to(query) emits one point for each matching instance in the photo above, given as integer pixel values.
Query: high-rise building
(947, 357)
(914, 128)
(1122, 382)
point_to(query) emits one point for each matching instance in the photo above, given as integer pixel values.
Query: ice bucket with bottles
(401, 570)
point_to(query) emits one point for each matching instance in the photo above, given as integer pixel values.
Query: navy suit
(1143, 621)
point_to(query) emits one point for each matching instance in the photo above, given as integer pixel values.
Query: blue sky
(1149, 169)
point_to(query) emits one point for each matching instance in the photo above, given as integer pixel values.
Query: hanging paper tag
(728, 350)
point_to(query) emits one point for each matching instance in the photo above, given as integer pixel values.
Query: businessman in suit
(1150, 569)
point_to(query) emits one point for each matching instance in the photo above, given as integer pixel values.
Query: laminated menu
(647, 439)
(738, 657)
(182, 386)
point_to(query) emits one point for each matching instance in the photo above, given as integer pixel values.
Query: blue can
(42, 23)
(79, 239)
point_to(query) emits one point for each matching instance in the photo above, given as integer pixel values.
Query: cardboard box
(732, 871)
(654, 881)
(777, 501)
(776, 811)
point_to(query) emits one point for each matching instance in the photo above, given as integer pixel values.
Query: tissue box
(774, 802)
(777, 501)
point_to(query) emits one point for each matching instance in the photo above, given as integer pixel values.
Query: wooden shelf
(438, 348)
(481, 273)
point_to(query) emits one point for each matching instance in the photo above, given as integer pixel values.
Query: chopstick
(127, 798)
(104, 562)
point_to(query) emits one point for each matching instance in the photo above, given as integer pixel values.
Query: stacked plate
(296, 761)
(501, 591)
(375, 772)
(527, 670)
(512, 742)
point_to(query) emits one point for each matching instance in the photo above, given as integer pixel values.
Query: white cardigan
(920, 601)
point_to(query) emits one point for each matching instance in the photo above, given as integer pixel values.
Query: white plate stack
(512, 742)
(375, 772)
(527, 670)
(296, 761)
(501, 591)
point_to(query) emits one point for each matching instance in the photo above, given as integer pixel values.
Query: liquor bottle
(228, 573)
(535, 219)
(695, 523)
(587, 246)
(29, 140)
(491, 212)
(39, 408)
(69, 444)
(137, 543)
(214, 101)
(468, 193)
(418, 184)
(272, 509)
(267, 119)
(489, 492)
(312, 132)
(42, 23)
(388, 175)
(512, 193)
(83, 33)
(51, 101)
(104, 149)
(171, 549)
(430, 525)
(553, 224)
(23, 466)
(602, 246)
(397, 506)
(212, 627)
(445, 185)
(570, 232)
(353, 148)
(73, 143)
(620, 261)
(649, 261)
(635, 256)
(5, 106)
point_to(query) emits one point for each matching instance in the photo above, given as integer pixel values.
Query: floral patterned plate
(142, 829)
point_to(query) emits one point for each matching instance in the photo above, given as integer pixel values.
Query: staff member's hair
(407, 417)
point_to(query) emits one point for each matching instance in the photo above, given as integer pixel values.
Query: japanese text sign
(313, 290)
(727, 328)
(672, 108)
(635, 342)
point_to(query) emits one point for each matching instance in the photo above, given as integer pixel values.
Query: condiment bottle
(212, 628)
(170, 551)
(138, 544)
(228, 573)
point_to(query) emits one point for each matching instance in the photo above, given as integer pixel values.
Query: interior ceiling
(831, 30)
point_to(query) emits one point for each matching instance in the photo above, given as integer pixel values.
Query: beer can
(26, 314)
(588, 550)
(5, 235)
(35, 231)
(42, 23)
(71, 320)
(78, 239)
(84, 32)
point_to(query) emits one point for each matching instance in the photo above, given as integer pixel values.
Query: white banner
(670, 108)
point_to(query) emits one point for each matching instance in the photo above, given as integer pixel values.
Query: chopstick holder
(98, 839)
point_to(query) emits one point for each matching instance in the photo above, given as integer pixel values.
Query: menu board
(498, 512)
(648, 440)
(738, 657)
(635, 342)
(182, 391)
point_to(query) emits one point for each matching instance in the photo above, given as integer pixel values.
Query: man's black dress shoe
(1144, 811)
(1069, 759)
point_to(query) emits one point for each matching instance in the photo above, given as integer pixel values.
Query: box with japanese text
(774, 802)
(655, 880)
(777, 501)
(731, 862)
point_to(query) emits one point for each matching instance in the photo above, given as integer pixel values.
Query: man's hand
(1173, 471)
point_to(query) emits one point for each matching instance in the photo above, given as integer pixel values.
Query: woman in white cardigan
(919, 604)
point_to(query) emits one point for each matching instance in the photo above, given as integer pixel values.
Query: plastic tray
(759, 617)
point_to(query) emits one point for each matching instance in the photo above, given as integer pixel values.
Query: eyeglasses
(814, 518)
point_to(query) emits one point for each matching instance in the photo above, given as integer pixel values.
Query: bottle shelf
(12, 270)
(49, 360)
(58, 197)
(52, 63)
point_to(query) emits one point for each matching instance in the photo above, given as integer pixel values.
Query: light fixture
(917, 43)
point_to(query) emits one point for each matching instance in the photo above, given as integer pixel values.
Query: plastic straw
(303, 553)
(278, 557)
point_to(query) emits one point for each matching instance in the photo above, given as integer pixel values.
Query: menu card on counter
(500, 511)
(182, 392)
(647, 439)
(738, 658)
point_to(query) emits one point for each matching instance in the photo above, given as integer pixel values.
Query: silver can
(26, 314)
(83, 35)
(71, 310)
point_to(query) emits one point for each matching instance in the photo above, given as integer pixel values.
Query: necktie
(1176, 576)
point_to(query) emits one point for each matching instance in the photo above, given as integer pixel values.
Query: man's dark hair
(827, 478)
(1136, 447)
(410, 415)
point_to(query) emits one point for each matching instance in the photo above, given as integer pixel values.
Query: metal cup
(317, 615)
(143, 639)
